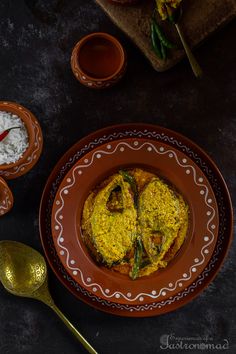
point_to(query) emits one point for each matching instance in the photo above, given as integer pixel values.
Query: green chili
(163, 39)
(163, 51)
(155, 41)
(137, 258)
(131, 180)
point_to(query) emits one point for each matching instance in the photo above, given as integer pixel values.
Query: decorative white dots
(196, 260)
(129, 294)
(184, 160)
(61, 239)
(117, 296)
(194, 270)
(185, 275)
(170, 285)
(86, 160)
(213, 227)
(171, 155)
(58, 202)
(89, 280)
(209, 200)
(107, 291)
(75, 272)
(98, 156)
(68, 180)
(200, 179)
(66, 191)
(94, 289)
(122, 149)
(206, 251)
(206, 238)
(149, 148)
(202, 191)
(208, 213)
(135, 143)
(141, 298)
(180, 285)
(62, 253)
(154, 292)
(187, 172)
(109, 147)
(161, 148)
(60, 217)
(163, 293)
(72, 261)
(57, 227)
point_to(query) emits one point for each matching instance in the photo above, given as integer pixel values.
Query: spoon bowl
(22, 269)
(23, 272)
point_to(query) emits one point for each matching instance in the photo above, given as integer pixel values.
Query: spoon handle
(193, 62)
(70, 326)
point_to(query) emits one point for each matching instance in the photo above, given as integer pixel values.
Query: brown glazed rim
(79, 45)
(17, 109)
(54, 181)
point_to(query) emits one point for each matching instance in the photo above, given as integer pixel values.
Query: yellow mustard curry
(134, 222)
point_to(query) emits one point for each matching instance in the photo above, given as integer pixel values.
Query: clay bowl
(33, 152)
(98, 60)
(6, 197)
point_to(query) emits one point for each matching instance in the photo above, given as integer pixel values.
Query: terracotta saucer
(193, 153)
(6, 198)
(33, 152)
(167, 162)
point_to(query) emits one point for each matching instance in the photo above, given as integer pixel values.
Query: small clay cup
(98, 60)
(6, 197)
(33, 152)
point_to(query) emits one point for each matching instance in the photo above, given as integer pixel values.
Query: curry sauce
(134, 222)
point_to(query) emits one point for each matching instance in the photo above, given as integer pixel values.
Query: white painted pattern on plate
(191, 270)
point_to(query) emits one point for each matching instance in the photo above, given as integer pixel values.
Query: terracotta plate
(167, 162)
(215, 194)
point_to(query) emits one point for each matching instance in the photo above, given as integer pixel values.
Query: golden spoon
(23, 272)
(174, 16)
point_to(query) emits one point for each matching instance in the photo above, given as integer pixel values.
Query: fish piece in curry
(134, 222)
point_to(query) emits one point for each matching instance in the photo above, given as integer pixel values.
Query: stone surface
(36, 40)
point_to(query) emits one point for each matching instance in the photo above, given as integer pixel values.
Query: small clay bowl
(33, 152)
(6, 197)
(98, 60)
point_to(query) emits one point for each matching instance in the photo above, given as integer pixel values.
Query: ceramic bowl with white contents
(21, 140)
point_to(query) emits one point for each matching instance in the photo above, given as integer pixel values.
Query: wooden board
(200, 19)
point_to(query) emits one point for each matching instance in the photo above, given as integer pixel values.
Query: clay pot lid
(33, 152)
(6, 197)
(98, 57)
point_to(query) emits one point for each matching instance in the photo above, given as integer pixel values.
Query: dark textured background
(36, 39)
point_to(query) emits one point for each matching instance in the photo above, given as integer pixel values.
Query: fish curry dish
(134, 222)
